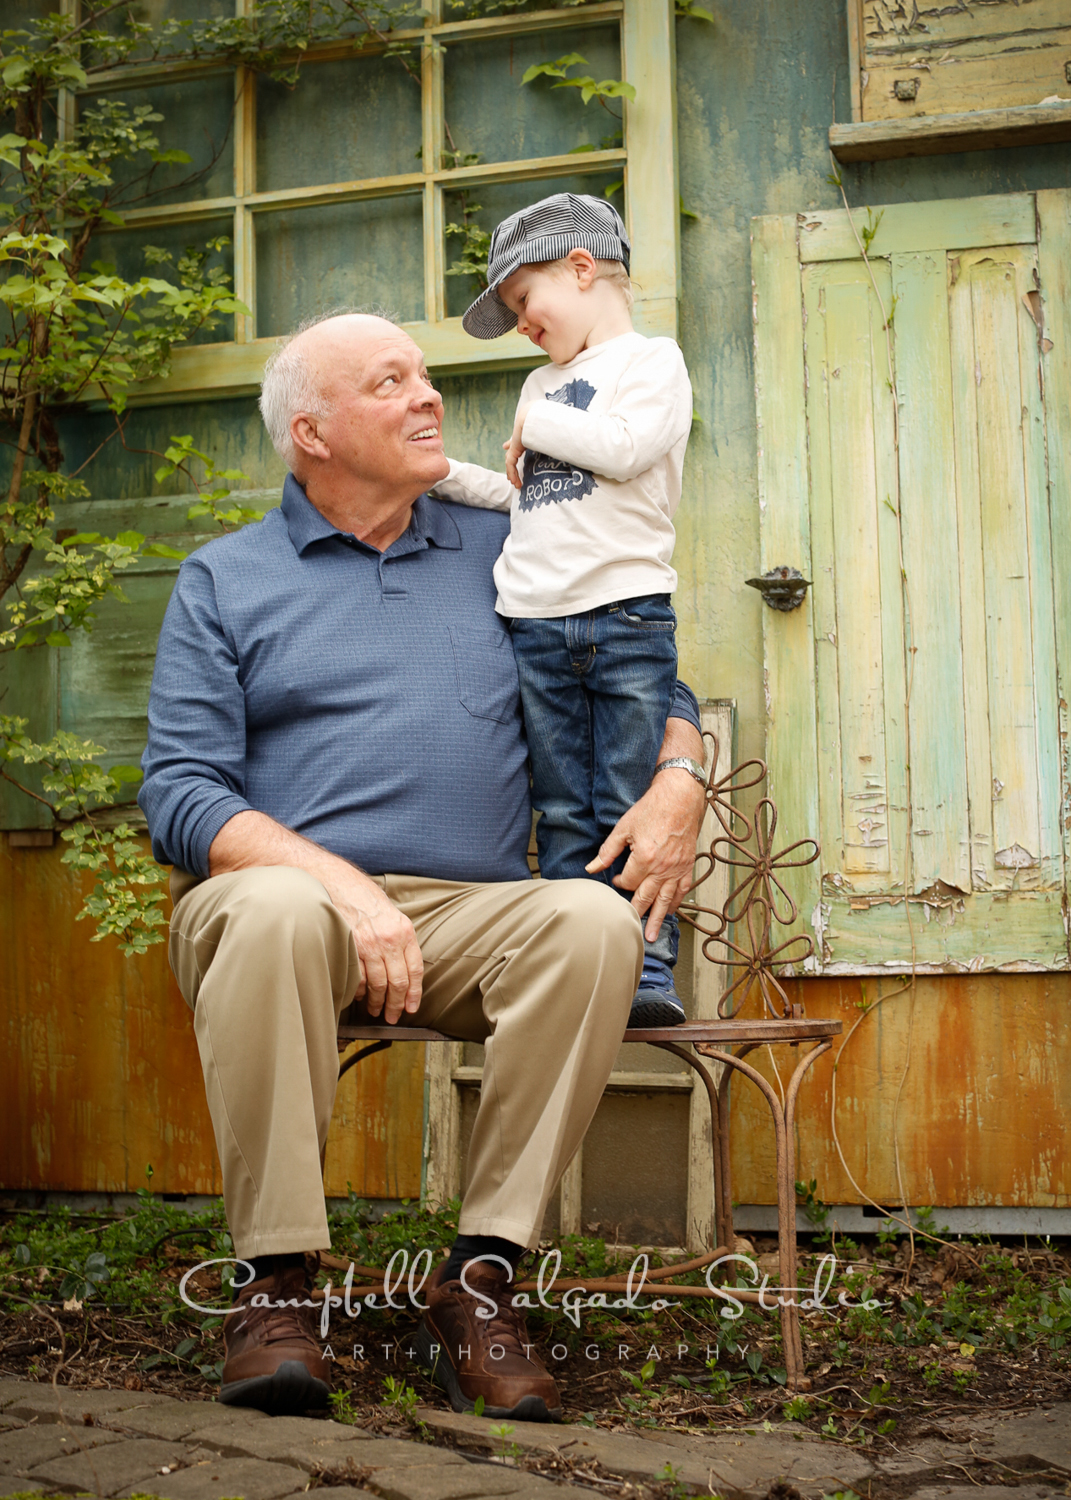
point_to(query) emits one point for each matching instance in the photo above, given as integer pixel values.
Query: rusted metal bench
(713, 1040)
(738, 938)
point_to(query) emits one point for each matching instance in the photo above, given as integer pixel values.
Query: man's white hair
(289, 387)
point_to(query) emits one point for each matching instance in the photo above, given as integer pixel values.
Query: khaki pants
(542, 972)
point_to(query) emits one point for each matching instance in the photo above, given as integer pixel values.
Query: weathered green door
(919, 477)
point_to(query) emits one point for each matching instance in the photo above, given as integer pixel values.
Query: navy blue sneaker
(656, 1002)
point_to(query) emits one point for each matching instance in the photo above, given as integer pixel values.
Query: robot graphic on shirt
(548, 481)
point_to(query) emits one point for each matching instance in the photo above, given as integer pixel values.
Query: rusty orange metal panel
(984, 1115)
(99, 1073)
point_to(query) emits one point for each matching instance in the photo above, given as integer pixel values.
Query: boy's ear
(584, 267)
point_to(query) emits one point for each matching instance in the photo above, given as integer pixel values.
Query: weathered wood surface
(953, 58)
(935, 135)
(791, 739)
(933, 626)
(99, 1073)
(966, 1133)
(910, 228)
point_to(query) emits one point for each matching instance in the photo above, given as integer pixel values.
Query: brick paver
(24, 1448)
(116, 1442)
(181, 1419)
(105, 1471)
(252, 1478)
(43, 1404)
(297, 1441)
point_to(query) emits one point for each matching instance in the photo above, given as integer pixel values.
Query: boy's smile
(551, 309)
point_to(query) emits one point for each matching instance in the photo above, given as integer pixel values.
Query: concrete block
(992, 1492)
(12, 1486)
(103, 1471)
(182, 1419)
(404, 1453)
(26, 1447)
(251, 1478)
(1044, 1434)
(71, 1404)
(493, 1481)
(733, 1462)
(298, 1441)
(11, 1390)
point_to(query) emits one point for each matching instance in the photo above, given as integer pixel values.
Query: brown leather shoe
(273, 1359)
(489, 1357)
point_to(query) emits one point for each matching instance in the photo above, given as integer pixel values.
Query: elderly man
(336, 769)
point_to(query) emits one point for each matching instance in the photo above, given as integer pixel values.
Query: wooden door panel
(857, 613)
(931, 699)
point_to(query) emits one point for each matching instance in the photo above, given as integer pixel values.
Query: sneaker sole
(287, 1392)
(443, 1374)
(650, 1013)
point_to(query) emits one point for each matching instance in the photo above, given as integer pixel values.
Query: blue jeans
(596, 689)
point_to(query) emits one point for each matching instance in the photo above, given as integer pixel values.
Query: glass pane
(478, 415)
(197, 119)
(310, 260)
(230, 430)
(488, 206)
(363, 115)
(491, 113)
(124, 252)
(157, 14)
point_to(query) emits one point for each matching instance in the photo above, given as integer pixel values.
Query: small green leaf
(18, 69)
(130, 539)
(58, 638)
(478, 1406)
(161, 549)
(125, 773)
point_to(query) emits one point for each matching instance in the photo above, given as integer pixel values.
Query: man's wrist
(694, 768)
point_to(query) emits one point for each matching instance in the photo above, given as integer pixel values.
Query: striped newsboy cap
(546, 231)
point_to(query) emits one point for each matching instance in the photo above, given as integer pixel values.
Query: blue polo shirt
(368, 700)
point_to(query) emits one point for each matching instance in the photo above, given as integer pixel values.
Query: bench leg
(784, 1135)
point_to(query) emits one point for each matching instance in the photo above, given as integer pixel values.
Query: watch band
(684, 763)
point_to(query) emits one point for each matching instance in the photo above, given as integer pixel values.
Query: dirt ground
(961, 1328)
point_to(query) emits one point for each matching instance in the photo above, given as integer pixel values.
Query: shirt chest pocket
(487, 683)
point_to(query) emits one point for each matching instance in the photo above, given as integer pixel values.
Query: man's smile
(424, 434)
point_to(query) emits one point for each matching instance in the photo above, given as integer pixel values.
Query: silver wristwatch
(685, 763)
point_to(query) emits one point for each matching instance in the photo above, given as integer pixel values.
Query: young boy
(584, 577)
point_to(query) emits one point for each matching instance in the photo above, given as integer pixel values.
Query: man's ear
(584, 268)
(306, 437)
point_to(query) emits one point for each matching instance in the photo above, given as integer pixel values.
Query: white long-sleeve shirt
(605, 441)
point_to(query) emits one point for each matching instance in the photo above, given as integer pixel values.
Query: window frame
(647, 160)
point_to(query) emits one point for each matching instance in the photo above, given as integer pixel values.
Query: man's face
(385, 428)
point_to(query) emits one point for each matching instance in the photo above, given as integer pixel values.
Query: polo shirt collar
(430, 523)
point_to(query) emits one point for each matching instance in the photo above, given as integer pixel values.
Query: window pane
(478, 414)
(125, 251)
(491, 112)
(488, 206)
(156, 14)
(198, 119)
(344, 120)
(312, 259)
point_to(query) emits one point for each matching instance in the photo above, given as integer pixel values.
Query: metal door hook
(782, 588)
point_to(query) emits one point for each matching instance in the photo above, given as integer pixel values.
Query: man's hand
(515, 447)
(660, 833)
(392, 968)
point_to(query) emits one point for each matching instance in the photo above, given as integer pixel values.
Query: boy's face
(551, 308)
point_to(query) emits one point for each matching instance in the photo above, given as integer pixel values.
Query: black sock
(469, 1246)
(263, 1266)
